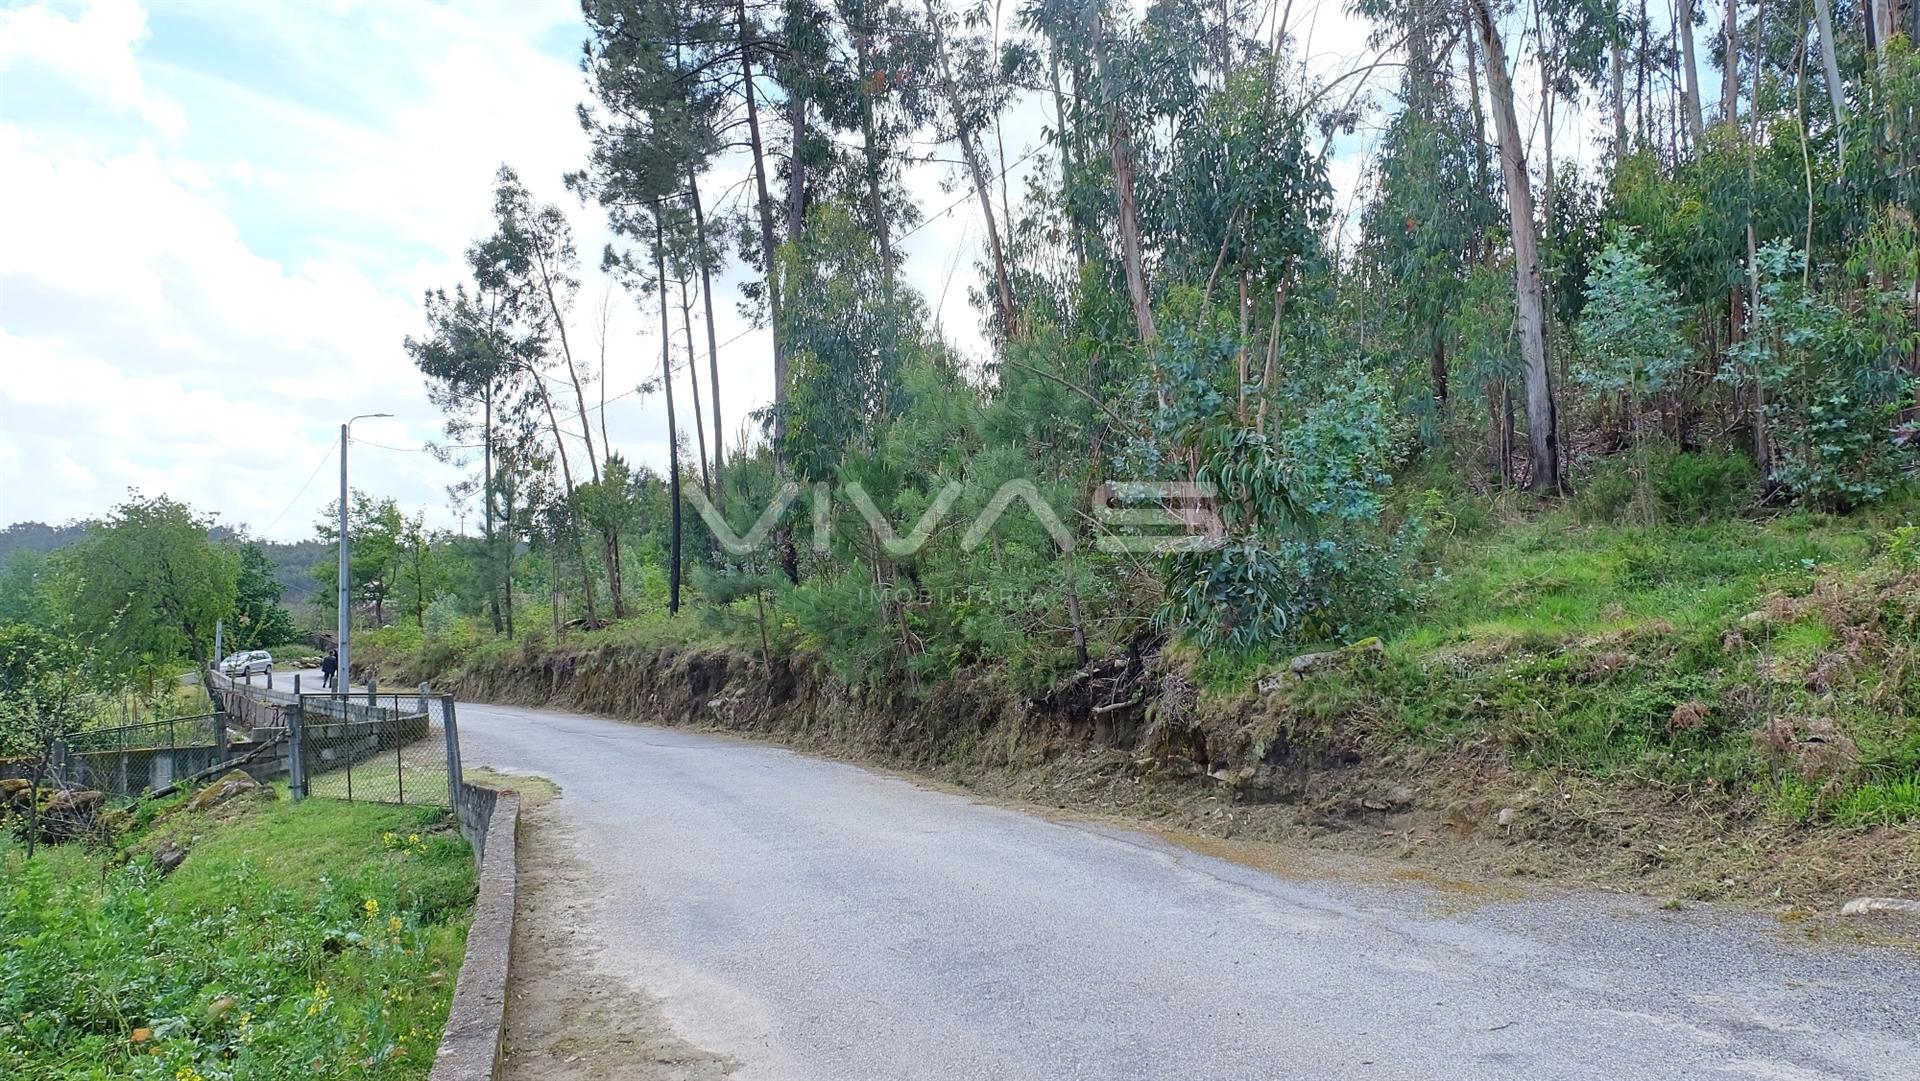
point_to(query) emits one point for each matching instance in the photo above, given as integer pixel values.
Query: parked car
(248, 663)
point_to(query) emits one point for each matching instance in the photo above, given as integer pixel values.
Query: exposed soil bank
(1130, 737)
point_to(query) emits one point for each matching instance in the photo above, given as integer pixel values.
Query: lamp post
(341, 677)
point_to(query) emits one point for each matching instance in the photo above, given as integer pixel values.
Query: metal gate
(376, 747)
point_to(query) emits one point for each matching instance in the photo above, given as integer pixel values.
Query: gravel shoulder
(568, 1018)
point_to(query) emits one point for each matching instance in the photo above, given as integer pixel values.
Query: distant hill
(293, 567)
(39, 537)
(292, 563)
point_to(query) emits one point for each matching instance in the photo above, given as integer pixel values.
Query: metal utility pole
(341, 679)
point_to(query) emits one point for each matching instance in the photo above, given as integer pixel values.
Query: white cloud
(93, 54)
(220, 236)
(196, 315)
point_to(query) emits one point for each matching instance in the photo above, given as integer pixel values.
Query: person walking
(328, 668)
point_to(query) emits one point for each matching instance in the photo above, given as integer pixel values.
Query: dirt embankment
(1130, 737)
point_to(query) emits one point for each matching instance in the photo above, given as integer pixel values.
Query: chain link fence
(381, 747)
(125, 762)
(377, 747)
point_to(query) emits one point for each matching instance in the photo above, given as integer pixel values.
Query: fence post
(456, 779)
(296, 752)
(370, 689)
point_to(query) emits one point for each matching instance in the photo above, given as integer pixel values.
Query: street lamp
(341, 677)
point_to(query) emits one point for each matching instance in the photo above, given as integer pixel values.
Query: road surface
(819, 922)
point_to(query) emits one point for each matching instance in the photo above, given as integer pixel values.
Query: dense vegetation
(1615, 456)
(1499, 397)
(310, 941)
(99, 629)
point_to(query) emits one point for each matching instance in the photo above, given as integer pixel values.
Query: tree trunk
(486, 507)
(1076, 624)
(1762, 443)
(506, 567)
(970, 152)
(693, 377)
(1543, 451)
(767, 245)
(610, 541)
(1267, 372)
(1883, 24)
(1830, 69)
(673, 431)
(1068, 161)
(573, 514)
(1619, 104)
(1240, 355)
(1730, 77)
(1696, 116)
(609, 538)
(1640, 79)
(1547, 99)
(1759, 69)
(876, 205)
(713, 344)
(1482, 179)
(1120, 150)
(573, 374)
(796, 165)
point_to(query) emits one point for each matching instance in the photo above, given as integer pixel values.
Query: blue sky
(222, 217)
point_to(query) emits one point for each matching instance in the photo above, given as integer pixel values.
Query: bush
(1704, 486)
(1608, 492)
(1682, 487)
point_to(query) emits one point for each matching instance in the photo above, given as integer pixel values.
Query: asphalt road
(820, 922)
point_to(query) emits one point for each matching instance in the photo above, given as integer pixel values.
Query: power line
(324, 459)
(383, 446)
(971, 192)
(418, 450)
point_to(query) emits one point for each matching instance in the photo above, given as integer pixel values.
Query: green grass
(1558, 576)
(377, 778)
(310, 941)
(1567, 646)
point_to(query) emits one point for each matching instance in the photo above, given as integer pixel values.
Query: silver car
(246, 664)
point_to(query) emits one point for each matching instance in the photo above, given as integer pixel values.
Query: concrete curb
(476, 1023)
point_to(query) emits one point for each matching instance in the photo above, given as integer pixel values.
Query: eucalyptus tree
(973, 96)
(479, 350)
(1055, 25)
(887, 101)
(531, 255)
(1431, 205)
(851, 336)
(1630, 329)
(1543, 448)
(1244, 204)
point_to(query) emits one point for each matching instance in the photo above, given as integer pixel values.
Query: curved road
(820, 922)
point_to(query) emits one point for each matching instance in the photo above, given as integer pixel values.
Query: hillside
(1713, 710)
(293, 562)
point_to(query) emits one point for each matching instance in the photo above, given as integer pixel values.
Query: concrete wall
(124, 774)
(474, 806)
(470, 1048)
